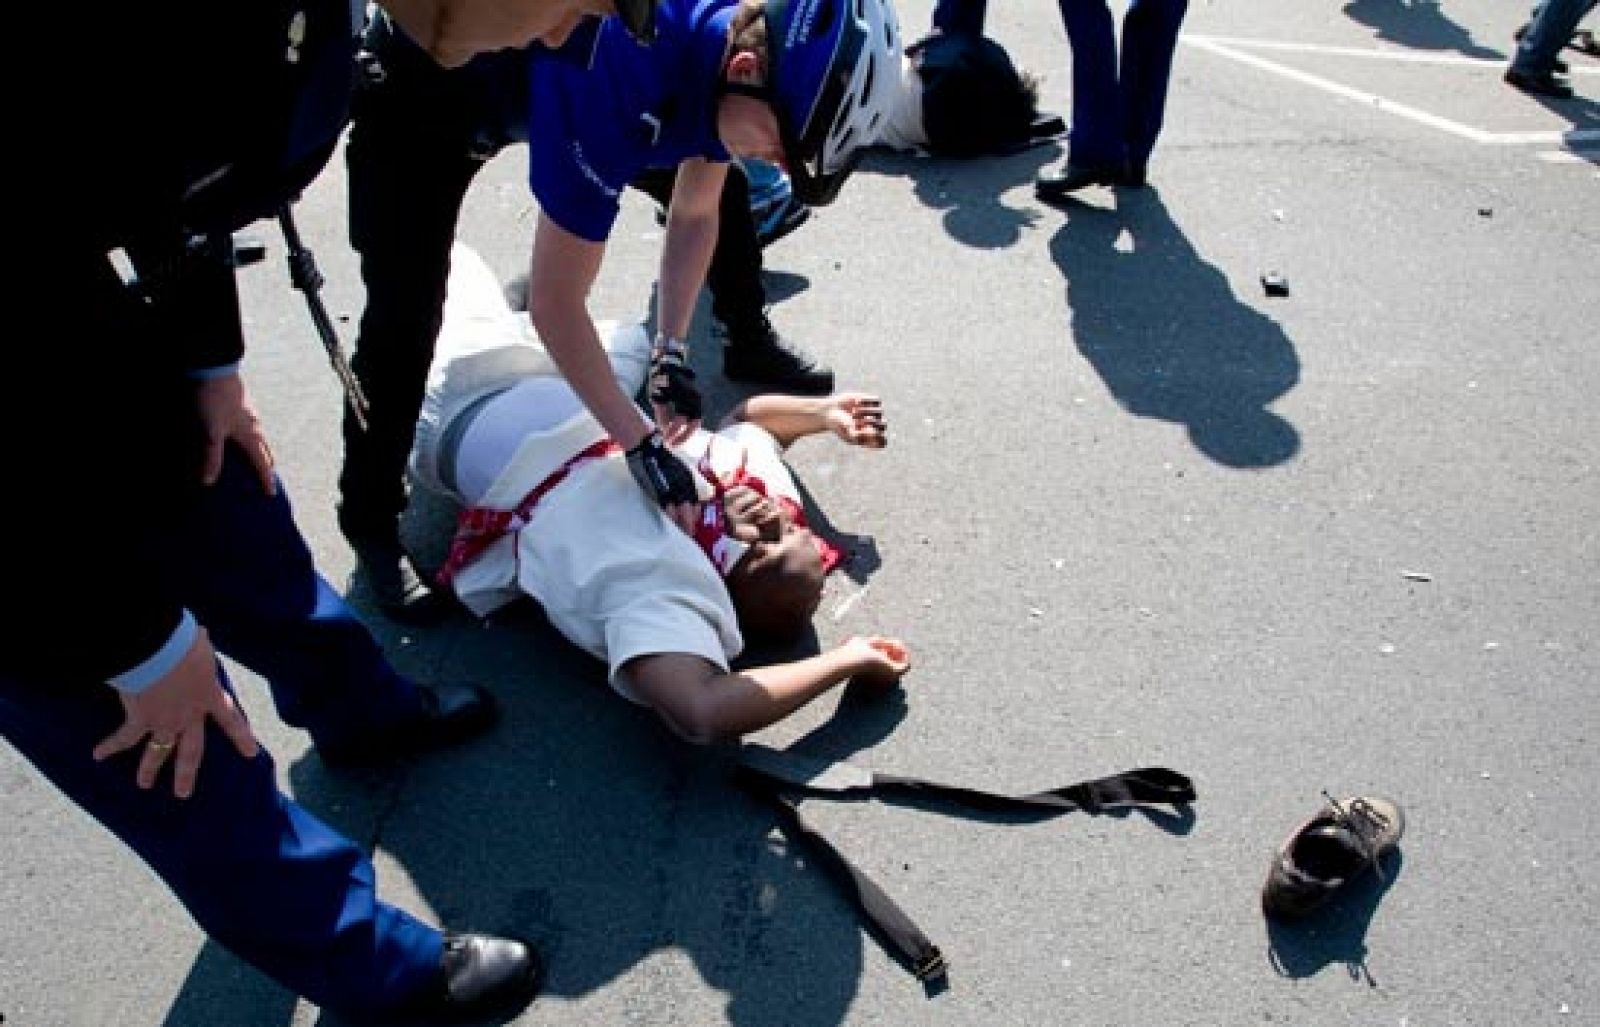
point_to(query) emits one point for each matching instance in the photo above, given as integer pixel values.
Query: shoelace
(1363, 822)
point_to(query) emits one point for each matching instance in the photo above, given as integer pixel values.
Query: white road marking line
(1397, 56)
(1569, 156)
(1422, 117)
(849, 601)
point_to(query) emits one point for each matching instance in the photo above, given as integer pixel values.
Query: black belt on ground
(783, 778)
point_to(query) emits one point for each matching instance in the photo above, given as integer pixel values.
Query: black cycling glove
(672, 381)
(661, 475)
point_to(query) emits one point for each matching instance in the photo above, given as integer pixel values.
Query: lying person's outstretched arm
(702, 704)
(856, 417)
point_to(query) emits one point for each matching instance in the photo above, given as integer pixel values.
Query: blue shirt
(594, 125)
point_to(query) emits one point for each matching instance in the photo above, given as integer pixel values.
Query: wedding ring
(159, 746)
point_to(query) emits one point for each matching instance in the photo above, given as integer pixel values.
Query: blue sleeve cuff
(211, 374)
(136, 680)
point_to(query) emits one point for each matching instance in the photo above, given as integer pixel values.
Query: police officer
(159, 535)
(419, 137)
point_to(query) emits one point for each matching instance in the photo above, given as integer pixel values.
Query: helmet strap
(761, 92)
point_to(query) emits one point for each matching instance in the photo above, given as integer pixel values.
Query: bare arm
(856, 417)
(691, 238)
(701, 704)
(562, 272)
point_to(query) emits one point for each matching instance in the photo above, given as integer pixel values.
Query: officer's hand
(170, 717)
(665, 479)
(674, 397)
(226, 412)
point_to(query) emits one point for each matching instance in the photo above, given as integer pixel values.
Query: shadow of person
(581, 824)
(1583, 115)
(781, 285)
(222, 988)
(970, 191)
(1417, 25)
(1336, 933)
(1168, 337)
(1578, 141)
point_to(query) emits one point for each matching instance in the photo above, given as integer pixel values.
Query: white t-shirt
(613, 574)
(902, 129)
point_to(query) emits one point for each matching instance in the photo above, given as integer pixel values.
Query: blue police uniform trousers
(1117, 104)
(965, 16)
(261, 875)
(1551, 25)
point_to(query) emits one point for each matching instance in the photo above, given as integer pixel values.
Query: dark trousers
(1549, 28)
(1117, 106)
(261, 875)
(965, 16)
(417, 139)
(738, 298)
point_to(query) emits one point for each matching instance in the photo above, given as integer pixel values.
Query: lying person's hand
(753, 517)
(857, 418)
(883, 662)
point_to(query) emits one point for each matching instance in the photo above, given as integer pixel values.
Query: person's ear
(744, 67)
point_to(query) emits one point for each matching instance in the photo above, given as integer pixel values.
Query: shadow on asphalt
(582, 825)
(1419, 25)
(1336, 933)
(1584, 116)
(970, 192)
(1166, 334)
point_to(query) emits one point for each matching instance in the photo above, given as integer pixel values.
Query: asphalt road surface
(1135, 512)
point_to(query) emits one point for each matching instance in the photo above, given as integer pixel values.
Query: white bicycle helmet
(834, 72)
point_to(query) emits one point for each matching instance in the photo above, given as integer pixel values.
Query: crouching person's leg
(262, 876)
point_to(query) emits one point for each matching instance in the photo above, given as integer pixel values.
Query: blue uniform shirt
(594, 125)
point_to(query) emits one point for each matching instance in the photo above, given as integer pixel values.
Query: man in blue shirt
(602, 113)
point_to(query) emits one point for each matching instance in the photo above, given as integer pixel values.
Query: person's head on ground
(974, 100)
(455, 31)
(806, 85)
(776, 586)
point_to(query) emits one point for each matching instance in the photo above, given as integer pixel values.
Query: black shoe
(480, 977)
(450, 715)
(762, 357)
(1328, 851)
(398, 588)
(1055, 185)
(1541, 84)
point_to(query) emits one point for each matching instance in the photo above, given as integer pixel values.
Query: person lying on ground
(960, 95)
(551, 512)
